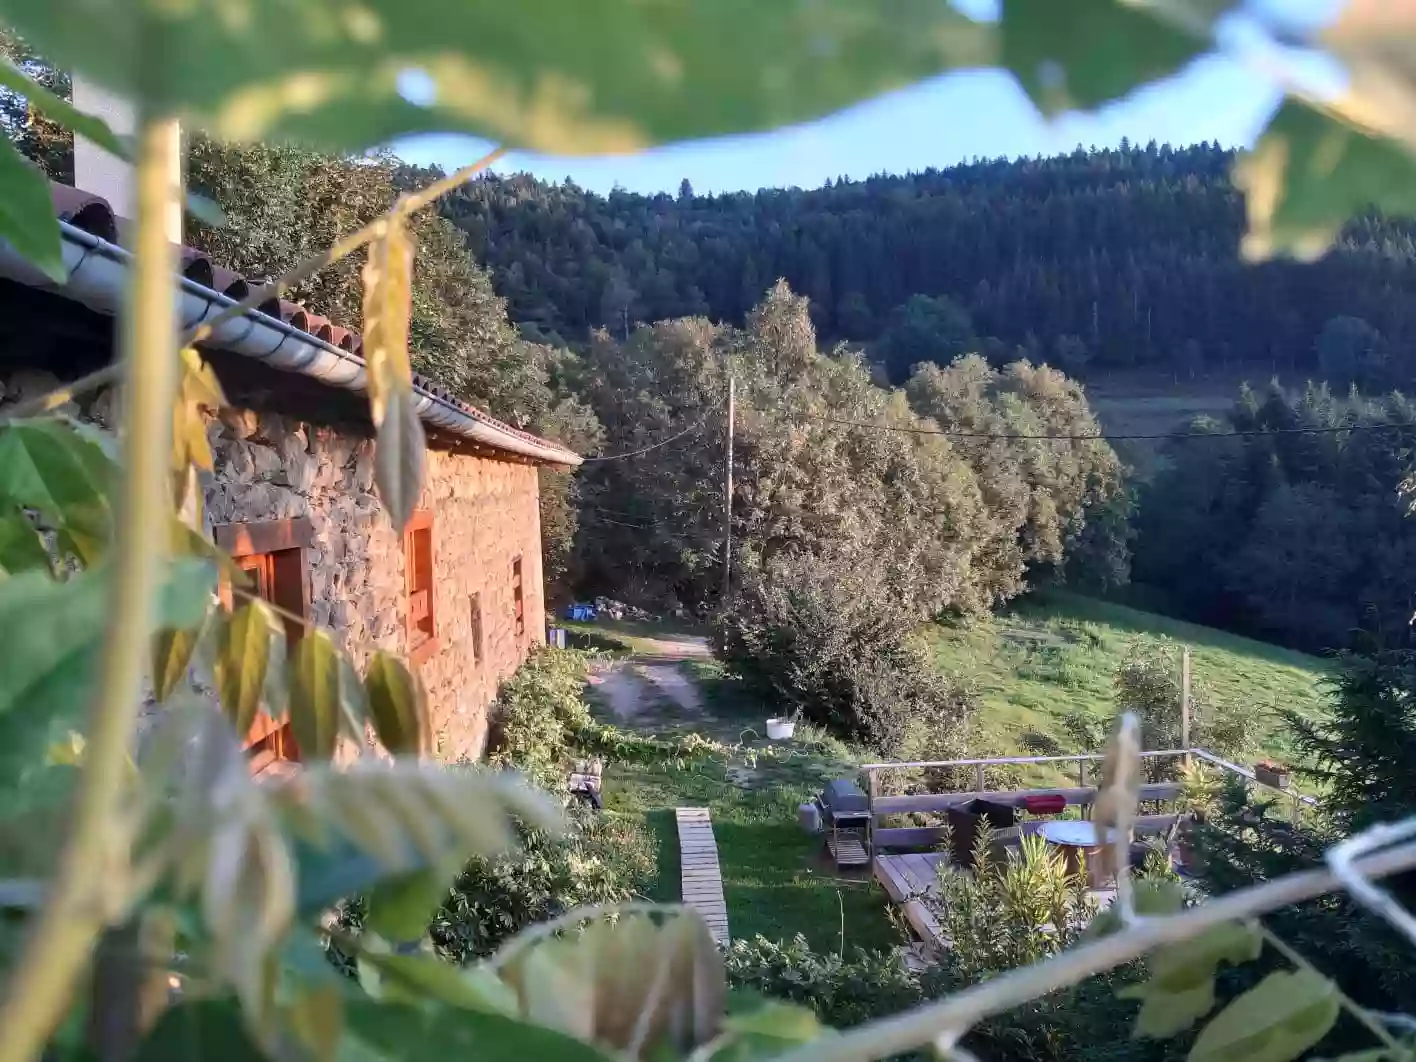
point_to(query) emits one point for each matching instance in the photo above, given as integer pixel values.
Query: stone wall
(485, 515)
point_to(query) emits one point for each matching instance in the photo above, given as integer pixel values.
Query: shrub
(601, 859)
(1011, 911)
(843, 992)
(538, 712)
(1087, 1021)
(1148, 683)
(832, 643)
(604, 859)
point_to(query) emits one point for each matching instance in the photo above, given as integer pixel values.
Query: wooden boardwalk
(702, 880)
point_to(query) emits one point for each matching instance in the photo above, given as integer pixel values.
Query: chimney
(98, 172)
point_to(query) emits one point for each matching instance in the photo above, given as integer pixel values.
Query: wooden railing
(1082, 794)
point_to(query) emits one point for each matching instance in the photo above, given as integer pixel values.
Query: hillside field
(1057, 653)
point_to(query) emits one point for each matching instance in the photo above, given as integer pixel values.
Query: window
(272, 554)
(418, 564)
(476, 618)
(518, 598)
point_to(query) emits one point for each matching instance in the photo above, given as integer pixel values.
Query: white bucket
(780, 729)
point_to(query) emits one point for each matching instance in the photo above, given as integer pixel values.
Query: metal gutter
(97, 278)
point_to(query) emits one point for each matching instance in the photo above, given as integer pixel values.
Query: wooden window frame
(273, 553)
(422, 626)
(518, 596)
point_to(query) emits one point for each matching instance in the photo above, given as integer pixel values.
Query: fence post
(1185, 703)
(978, 777)
(1081, 774)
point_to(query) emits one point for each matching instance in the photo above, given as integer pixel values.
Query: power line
(593, 515)
(1100, 438)
(645, 450)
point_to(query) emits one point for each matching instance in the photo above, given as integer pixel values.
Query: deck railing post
(871, 791)
(1081, 774)
(978, 778)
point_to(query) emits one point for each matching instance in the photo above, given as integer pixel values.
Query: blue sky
(948, 120)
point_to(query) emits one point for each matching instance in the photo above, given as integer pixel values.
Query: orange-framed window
(272, 554)
(422, 602)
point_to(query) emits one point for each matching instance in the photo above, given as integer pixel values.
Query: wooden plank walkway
(702, 879)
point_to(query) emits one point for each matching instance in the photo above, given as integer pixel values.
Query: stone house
(459, 593)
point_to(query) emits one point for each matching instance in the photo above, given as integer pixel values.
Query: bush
(1087, 1021)
(1148, 683)
(604, 859)
(843, 992)
(538, 712)
(832, 642)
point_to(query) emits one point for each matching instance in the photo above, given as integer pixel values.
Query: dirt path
(631, 687)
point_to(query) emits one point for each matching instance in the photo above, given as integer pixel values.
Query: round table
(1076, 837)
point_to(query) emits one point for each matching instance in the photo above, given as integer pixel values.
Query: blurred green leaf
(329, 872)
(1167, 1011)
(401, 907)
(637, 985)
(316, 1017)
(599, 76)
(1275, 1021)
(757, 1028)
(415, 978)
(243, 656)
(21, 548)
(198, 392)
(27, 217)
(1309, 173)
(52, 632)
(400, 448)
(1182, 962)
(438, 1034)
(48, 465)
(171, 656)
(210, 1029)
(408, 815)
(397, 705)
(1083, 53)
(316, 697)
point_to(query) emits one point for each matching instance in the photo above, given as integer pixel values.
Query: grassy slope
(774, 879)
(1060, 652)
(1047, 656)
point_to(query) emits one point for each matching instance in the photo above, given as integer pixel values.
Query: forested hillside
(1097, 259)
(1299, 533)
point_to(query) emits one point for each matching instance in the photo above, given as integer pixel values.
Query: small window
(476, 623)
(518, 598)
(272, 554)
(418, 561)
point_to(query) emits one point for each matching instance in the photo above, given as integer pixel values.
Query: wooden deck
(701, 876)
(908, 879)
(912, 878)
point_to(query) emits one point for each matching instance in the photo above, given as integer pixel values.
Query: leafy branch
(961, 1011)
(43, 979)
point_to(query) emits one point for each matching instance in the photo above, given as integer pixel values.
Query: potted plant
(1272, 774)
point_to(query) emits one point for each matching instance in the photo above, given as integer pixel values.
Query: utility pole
(1185, 703)
(728, 498)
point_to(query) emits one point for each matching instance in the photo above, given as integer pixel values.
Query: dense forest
(1302, 538)
(1097, 259)
(610, 322)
